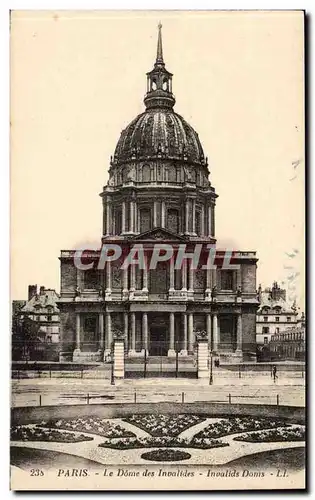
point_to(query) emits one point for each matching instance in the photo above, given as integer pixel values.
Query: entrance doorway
(158, 341)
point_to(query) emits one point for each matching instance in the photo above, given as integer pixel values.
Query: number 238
(36, 472)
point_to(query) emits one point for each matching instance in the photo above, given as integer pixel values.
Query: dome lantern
(159, 81)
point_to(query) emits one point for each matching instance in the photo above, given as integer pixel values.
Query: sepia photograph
(158, 309)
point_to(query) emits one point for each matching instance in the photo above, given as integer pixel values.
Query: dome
(159, 132)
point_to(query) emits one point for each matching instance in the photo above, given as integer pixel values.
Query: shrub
(166, 455)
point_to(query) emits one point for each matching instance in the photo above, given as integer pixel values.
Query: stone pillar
(108, 214)
(215, 343)
(145, 330)
(155, 214)
(203, 359)
(186, 217)
(131, 221)
(172, 274)
(184, 349)
(145, 276)
(108, 334)
(184, 275)
(132, 345)
(77, 332)
(125, 283)
(135, 217)
(105, 226)
(208, 284)
(208, 323)
(209, 221)
(239, 277)
(108, 289)
(132, 268)
(194, 216)
(239, 333)
(119, 359)
(101, 331)
(190, 277)
(190, 333)
(162, 213)
(171, 351)
(202, 221)
(126, 330)
(123, 217)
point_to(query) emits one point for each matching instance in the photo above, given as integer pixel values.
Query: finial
(159, 52)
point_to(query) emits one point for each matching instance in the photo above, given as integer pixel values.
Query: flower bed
(93, 425)
(234, 425)
(166, 442)
(274, 435)
(166, 455)
(164, 425)
(23, 433)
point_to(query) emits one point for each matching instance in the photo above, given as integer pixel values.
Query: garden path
(194, 429)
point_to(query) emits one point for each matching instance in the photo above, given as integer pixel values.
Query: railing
(142, 396)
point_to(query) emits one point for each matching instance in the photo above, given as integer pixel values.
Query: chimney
(32, 291)
(41, 290)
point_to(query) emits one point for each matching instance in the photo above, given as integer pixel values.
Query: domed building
(158, 193)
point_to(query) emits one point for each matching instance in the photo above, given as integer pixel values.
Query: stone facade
(158, 191)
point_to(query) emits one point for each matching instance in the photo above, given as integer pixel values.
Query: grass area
(166, 455)
(166, 442)
(164, 425)
(273, 435)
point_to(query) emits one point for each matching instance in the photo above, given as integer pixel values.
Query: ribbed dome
(159, 132)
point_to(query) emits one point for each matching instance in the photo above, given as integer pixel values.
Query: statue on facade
(101, 292)
(214, 292)
(77, 292)
(239, 291)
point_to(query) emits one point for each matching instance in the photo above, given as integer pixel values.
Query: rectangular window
(265, 329)
(277, 329)
(227, 281)
(288, 318)
(277, 319)
(265, 318)
(265, 340)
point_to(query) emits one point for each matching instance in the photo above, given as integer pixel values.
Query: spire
(159, 52)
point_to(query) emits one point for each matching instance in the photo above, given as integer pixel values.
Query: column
(171, 270)
(123, 217)
(209, 221)
(77, 332)
(208, 326)
(184, 276)
(191, 277)
(108, 277)
(171, 351)
(145, 276)
(131, 222)
(184, 350)
(239, 333)
(145, 330)
(135, 217)
(208, 284)
(132, 344)
(239, 277)
(194, 216)
(132, 278)
(154, 214)
(126, 329)
(215, 343)
(202, 221)
(125, 280)
(163, 213)
(105, 231)
(186, 216)
(108, 207)
(190, 333)
(101, 330)
(108, 334)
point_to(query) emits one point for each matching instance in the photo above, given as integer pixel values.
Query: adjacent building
(290, 343)
(275, 314)
(159, 192)
(35, 325)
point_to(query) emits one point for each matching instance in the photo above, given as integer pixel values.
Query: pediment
(159, 234)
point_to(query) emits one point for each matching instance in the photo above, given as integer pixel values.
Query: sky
(78, 79)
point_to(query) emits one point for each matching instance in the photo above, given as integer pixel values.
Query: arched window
(145, 220)
(173, 220)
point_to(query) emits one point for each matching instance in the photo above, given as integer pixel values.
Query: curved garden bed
(165, 442)
(166, 455)
(273, 435)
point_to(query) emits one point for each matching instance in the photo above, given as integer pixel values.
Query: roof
(267, 301)
(41, 302)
